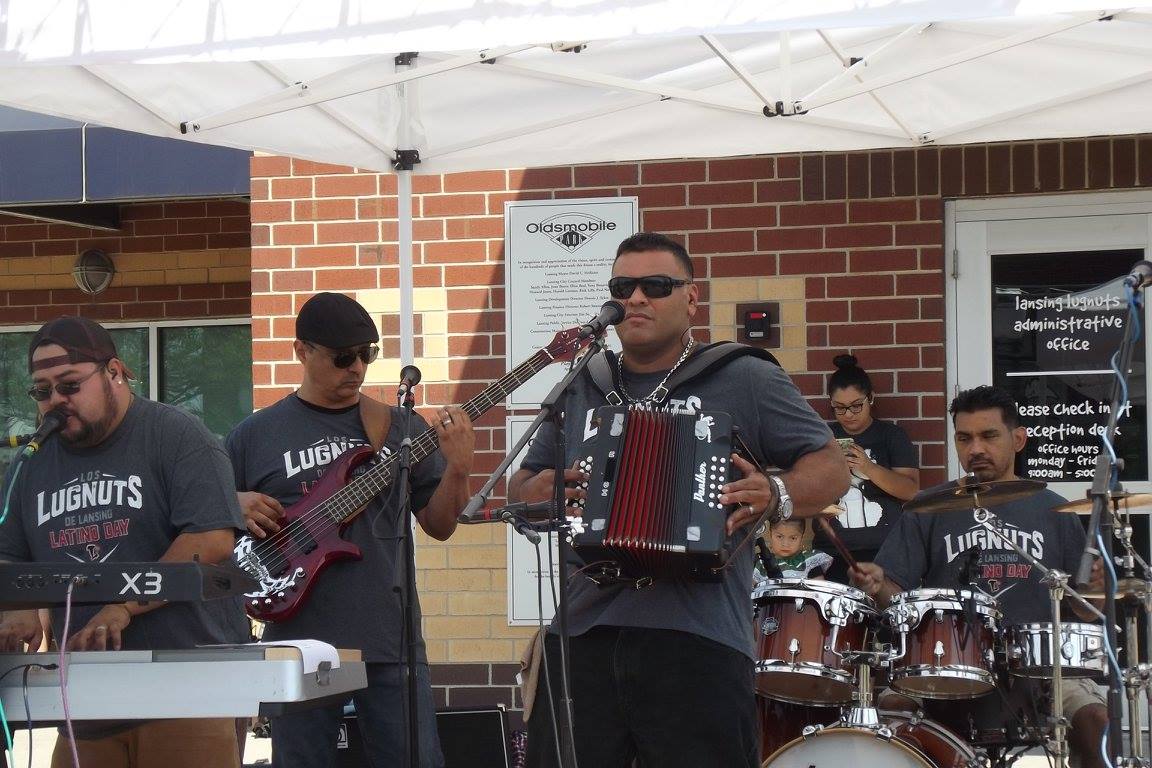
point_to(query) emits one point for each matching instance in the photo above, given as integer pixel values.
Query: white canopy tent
(534, 83)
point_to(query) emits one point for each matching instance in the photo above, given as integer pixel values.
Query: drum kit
(824, 650)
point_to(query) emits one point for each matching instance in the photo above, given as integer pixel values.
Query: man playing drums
(935, 549)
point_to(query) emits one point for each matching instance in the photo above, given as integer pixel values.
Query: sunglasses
(347, 357)
(653, 286)
(64, 388)
(856, 407)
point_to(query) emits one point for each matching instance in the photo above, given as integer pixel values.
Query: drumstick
(836, 542)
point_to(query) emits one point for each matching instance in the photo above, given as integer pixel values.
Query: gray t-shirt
(282, 451)
(160, 474)
(775, 421)
(929, 549)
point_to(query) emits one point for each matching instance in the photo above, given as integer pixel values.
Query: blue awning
(49, 160)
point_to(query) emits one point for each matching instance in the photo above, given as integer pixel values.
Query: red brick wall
(865, 229)
(863, 232)
(180, 259)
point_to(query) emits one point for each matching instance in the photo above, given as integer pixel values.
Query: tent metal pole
(120, 88)
(406, 160)
(738, 69)
(334, 86)
(951, 60)
(670, 92)
(404, 224)
(786, 72)
(846, 61)
(330, 111)
(854, 68)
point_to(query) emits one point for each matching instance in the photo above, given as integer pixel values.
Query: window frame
(153, 327)
(968, 227)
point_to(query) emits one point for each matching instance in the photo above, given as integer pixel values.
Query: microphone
(409, 378)
(968, 575)
(768, 560)
(52, 422)
(1140, 276)
(611, 313)
(533, 513)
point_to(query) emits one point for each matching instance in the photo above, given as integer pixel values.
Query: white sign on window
(558, 257)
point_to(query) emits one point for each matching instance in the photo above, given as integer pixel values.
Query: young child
(786, 541)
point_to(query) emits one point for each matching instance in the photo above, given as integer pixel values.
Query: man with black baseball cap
(278, 455)
(129, 480)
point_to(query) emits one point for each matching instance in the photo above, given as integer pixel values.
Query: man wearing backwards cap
(278, 454)
(128, 480)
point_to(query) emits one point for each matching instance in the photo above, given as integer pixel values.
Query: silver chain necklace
(657, 395)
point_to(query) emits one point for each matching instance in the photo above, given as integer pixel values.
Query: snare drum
(902, 741)
(803, 629)
(947, 642)
(1081, 650)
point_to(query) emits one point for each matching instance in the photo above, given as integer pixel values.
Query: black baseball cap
(335, 321)
(84, 341)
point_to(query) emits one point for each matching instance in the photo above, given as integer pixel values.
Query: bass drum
(903, 741)
(782, 722)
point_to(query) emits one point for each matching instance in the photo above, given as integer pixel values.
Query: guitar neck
(357, 494)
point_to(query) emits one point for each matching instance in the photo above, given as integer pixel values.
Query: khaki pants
(158, 744)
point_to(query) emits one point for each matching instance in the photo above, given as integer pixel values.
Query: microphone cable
(17, 465)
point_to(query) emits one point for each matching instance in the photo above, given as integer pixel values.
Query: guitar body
(287, 566)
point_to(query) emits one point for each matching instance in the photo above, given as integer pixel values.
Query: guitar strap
(376, 418)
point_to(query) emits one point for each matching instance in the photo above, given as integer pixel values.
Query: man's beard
(987, 473)
(93, 432)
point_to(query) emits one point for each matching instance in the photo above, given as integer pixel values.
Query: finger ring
(446, 422)
(101, 627)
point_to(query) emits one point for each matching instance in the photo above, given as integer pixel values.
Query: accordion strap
(604, 371)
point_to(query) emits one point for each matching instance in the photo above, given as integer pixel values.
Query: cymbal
(1126, 589)
(968, 493)
(1128, 501)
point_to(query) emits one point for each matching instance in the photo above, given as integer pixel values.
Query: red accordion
(654, 480)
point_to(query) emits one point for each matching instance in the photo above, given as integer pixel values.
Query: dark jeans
(661, 697)
(307, 739)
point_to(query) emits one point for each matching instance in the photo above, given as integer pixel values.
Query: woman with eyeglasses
(883, 461)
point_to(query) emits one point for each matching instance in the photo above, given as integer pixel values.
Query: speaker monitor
(469, 737)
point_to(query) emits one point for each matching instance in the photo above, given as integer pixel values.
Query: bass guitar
(287, 563)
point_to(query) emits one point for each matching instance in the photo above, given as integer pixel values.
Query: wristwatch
(783, 509)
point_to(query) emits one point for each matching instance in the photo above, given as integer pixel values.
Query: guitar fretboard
(350, 500)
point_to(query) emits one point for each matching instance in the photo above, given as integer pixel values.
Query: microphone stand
(404, 584)
(551, 409)
(1101, 525)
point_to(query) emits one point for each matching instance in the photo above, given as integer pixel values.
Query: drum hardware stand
(1057, 747)
(1051, 576)
(1105, 477)
(1058, 588)
(863, 714)
(1136, 596)
(1135, 680)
